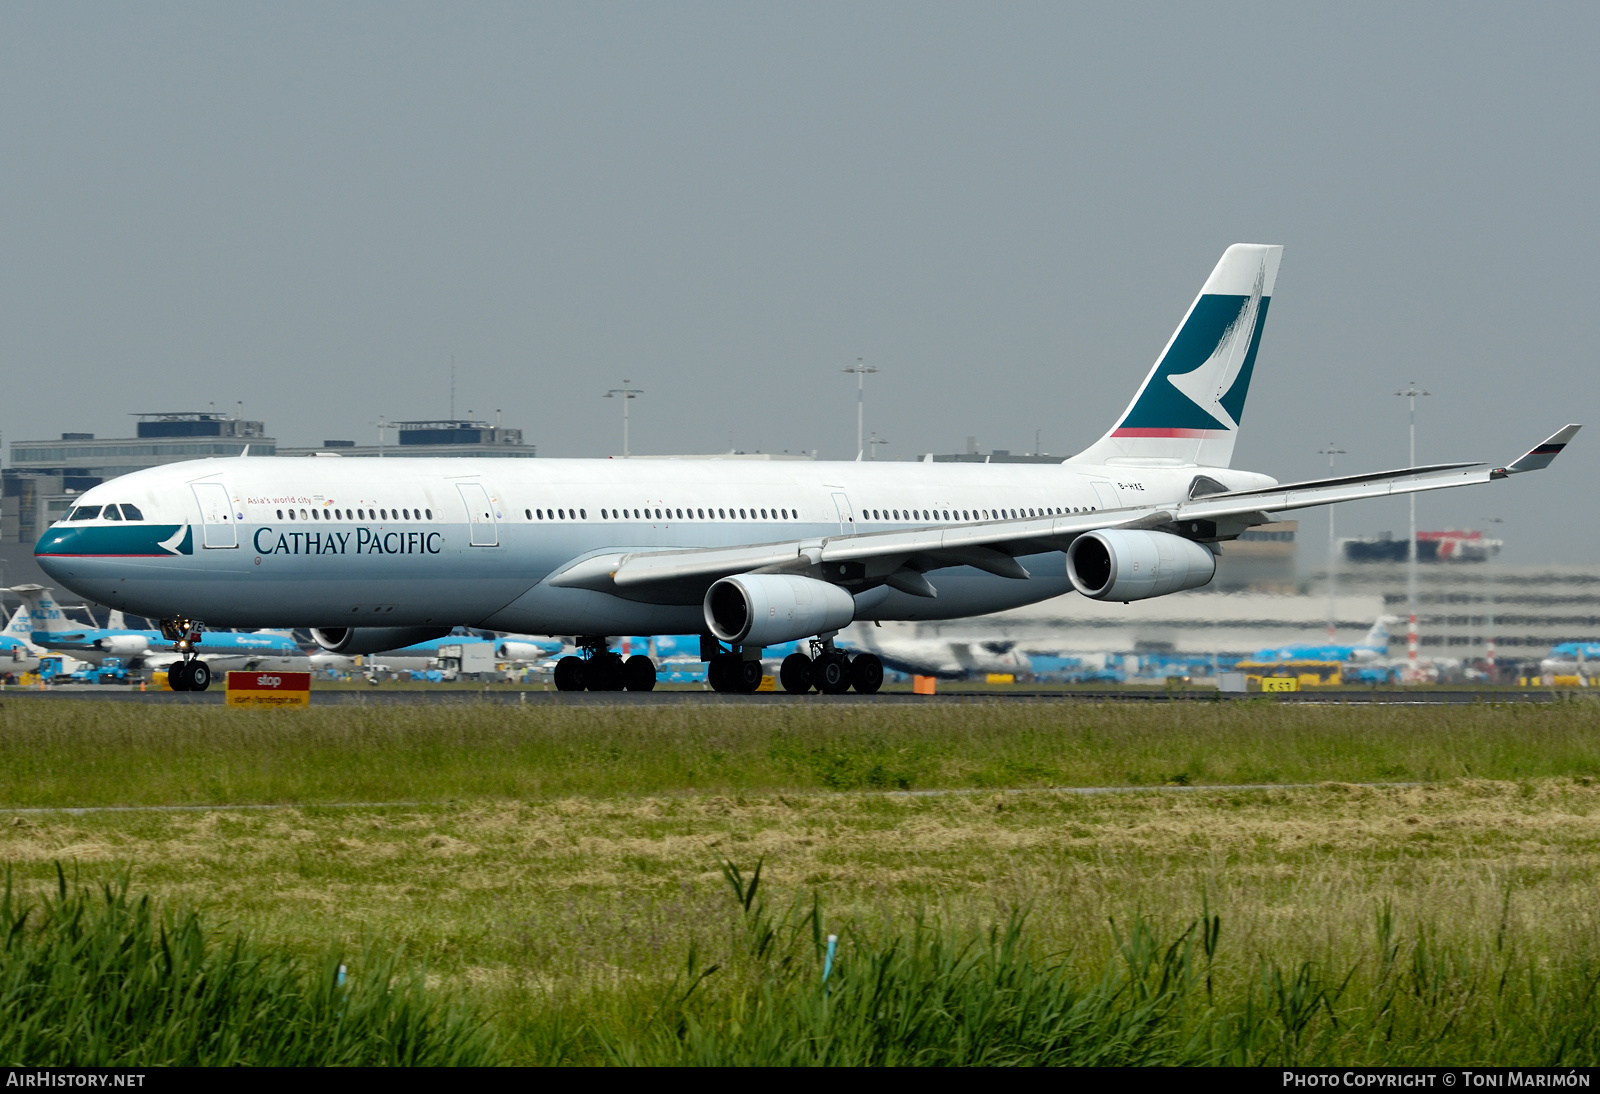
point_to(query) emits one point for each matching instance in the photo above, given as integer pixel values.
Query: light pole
(1488, 655)
(628, 394)
(872, 445)
(861, 371)
(1410, 393)
(1333, 544)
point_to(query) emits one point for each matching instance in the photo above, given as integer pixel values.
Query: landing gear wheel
(832, 674)
(719, 673)
(748, 676)
(199, 676)
(639, 673)
(178, 676)
(603, 672)
(569, 674)
(795, 674)
(866, 673)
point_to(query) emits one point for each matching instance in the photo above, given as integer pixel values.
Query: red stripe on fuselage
(52, 554)
(1143, 431)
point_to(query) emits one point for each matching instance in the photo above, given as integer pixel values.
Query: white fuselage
(429, 542)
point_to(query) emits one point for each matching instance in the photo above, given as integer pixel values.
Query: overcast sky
(1005, 208)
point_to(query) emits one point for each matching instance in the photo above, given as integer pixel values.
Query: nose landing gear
(190, 673)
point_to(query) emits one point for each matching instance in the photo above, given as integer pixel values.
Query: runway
(538, 696)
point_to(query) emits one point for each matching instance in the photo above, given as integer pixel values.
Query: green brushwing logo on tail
(1200, 384)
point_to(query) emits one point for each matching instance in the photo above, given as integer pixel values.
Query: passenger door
(216, 515)
(485, 531)
(847, 516)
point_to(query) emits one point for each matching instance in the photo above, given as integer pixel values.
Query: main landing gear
(190, 673)
(598, 669)
(829, 669)
(731, 674)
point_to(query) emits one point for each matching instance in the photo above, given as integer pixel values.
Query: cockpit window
(85, 512)
(131, 512)
(111, 513)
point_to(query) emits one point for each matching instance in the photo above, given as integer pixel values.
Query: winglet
(1541, 455)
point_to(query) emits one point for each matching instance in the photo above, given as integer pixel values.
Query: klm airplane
(375, 554)
(53, 631)
(18, 654)
(1371, 648)
(1580, 659)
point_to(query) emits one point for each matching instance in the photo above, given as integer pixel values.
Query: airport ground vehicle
(374, 554)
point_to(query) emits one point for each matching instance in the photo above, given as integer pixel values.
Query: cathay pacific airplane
(374, 554)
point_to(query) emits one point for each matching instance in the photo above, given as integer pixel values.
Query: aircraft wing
(900, 557)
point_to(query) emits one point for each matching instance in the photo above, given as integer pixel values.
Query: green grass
(98, 979)
(563, 883)
(92, 753)
(924, 994)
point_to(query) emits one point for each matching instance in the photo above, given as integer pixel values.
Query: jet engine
(521, 651)
(354, 640)
(769, 609)
(1130, 564)
(123, 645)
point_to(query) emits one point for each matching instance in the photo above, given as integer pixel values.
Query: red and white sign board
(269, 689)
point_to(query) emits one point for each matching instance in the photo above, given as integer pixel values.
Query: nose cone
(113, 541)
(81, 556)
(57, 551)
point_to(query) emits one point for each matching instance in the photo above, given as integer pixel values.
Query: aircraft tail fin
(20, 627)
(43, 614)
(1378, 636)
(1189, 407)
(116, 621)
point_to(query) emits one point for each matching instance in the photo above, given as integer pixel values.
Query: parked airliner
(378, 553)
(53, 631)
(18, 654)
(1371, 648)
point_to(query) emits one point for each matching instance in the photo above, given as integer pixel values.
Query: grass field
(87, 753)
(562, 873)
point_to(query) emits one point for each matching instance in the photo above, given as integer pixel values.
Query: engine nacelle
(520, 651)
(769, 609)
(354, 640)
(1130, 564)
(123, 645)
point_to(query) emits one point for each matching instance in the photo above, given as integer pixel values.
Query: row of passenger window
(973, 514)
(794, 514)
(665, 514)
(124, 511)
(121, 511)
(357, 514)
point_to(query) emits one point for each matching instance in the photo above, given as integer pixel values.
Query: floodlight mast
(1410, 393)
(1333, 545)
(1494, 676)
(627, 393)
(861, 371)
